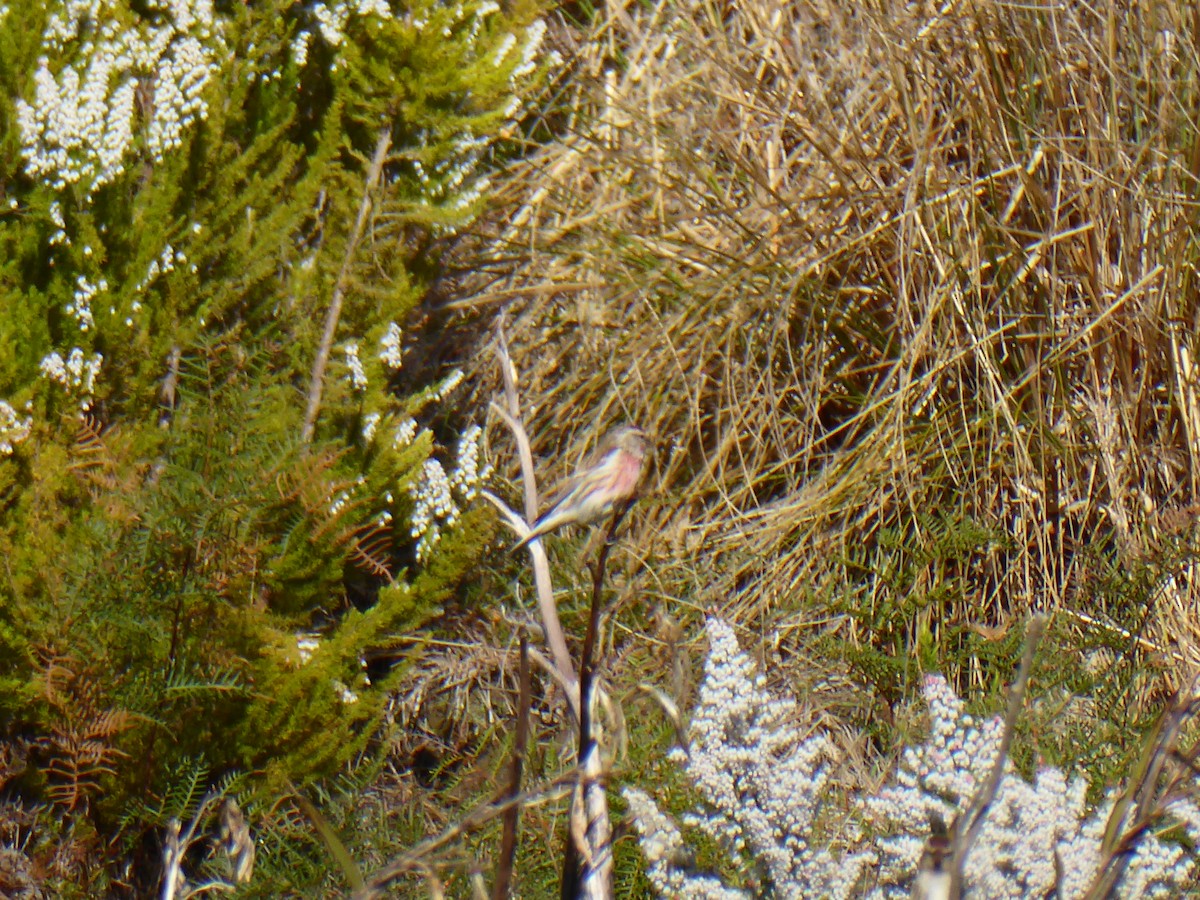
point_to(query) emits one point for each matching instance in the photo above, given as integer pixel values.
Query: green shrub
(184, 191)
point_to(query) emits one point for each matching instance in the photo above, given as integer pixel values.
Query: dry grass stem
(875, 274)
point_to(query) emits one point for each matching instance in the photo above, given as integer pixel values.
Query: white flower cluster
(300, 44)
(764, 788)
(662, 844)
(161, 266)
(385, 517)
(56, 216)
(448, 384)
(80, 306)
(503, 49)
(77, 373)
(452, 180)
(358, 377)
(182, 75)
(535, 36)
(404, 434)
(763, 783)
(389, 347)
(13, 429)
(79, 127)
(467, 477)
(434, 505)
(1035, 835)
(332, 20)
(344, 693)
(370, 426)
(434, 492)
(451, 172)
(306, 645)
(165, 263)
(457, 14)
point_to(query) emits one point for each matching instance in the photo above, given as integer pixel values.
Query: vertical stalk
(316, 382)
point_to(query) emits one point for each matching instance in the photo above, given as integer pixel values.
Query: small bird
(610, 478)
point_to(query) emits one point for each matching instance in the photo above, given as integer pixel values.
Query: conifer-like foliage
(190, 584)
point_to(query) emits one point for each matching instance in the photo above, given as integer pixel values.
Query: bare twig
(970, 823)
(933, 881)
(587, 856)
(317, 380)
(512, 417)
(414, 859)
(508, 840)
(590, 833)
(587, 664)
(555, 638)
(175, 847)
(1144, 802)
(172, 878)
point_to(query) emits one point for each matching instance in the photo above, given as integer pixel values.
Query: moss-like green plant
(192, 577)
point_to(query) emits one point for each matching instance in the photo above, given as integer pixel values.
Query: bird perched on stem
(610, 479)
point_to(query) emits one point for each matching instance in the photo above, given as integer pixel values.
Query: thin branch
(587, 665)
(413, 859)
(1142, 800)
(172, 877)
(317, 380)
(555, 637)
(970, 823)
(590, 832)
(508, 839)
(587, 856)
(512, 417)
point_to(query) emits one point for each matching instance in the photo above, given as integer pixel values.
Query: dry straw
(867, 269)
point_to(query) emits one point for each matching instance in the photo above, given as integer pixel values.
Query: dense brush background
(906, 293)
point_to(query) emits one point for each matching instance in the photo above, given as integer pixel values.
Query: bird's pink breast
(629, 467)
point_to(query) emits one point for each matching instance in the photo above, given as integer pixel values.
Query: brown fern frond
(92, 460)
(308, 485)
(88, 437)
(96, 462)
(370, 551)
(306, 481)
(55, 674)
(80, 747)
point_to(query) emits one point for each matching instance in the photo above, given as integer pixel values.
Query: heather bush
(769, 799)
(206, 532)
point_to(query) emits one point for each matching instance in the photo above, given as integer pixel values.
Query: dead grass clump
(906, 292)
(454, 693)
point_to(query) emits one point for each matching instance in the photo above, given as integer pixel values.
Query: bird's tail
(554, 518)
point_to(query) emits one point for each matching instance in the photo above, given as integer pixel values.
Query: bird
(609, 479)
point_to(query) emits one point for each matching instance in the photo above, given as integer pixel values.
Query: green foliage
(165, 549)
(905, 581)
